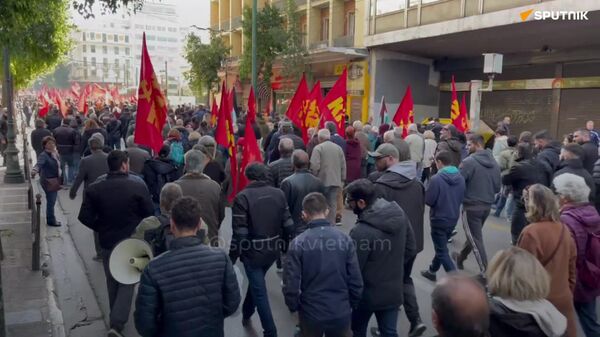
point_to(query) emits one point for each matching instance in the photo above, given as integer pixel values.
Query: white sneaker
(114, 333)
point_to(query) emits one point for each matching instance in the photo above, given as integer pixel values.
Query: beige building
(551, 48)
(333, 34)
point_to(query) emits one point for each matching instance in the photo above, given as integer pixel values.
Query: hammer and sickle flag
(333, 106)
(152, 106)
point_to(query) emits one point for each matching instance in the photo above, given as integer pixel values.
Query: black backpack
(160, 237)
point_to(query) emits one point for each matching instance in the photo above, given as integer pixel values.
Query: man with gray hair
(282, 167)
(286, 130)
(328, 162)
(416, 144)
(194, 183)
(391, 137)
(90, 168)
(137, 156)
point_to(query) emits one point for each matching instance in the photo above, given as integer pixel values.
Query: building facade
(551, 74)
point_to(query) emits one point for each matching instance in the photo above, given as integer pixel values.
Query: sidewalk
(26, 295)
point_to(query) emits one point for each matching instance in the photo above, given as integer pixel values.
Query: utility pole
(13, 175)
(254, 15)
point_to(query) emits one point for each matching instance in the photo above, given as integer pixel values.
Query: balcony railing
(236, 22)
(319, 45)
(344, 41)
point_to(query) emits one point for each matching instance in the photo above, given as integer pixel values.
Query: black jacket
(124, 119)
(295, 188)
(87, 134)
(66, 139)
(260, 219)
(548, 159)
(53, 120)
(382, 234)
(590, 156)
(114, 205)
(37, 136)
(158, 172)
(507, 323)
(113, 129)
(186, 292)
(215, 171)
(524, 173)
(453, 146)
(409, 194)
(281, 169)
(575, 166)
(322, 284)
(596, 177)
(90, 168)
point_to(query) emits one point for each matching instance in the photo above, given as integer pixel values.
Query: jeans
(588, 318)
(66, 160)
(76, 161)
(386, 321)
(411, 307)
(335, 328)
(440, 233)
(475, 220)
(119, 296)
(50, 202)
(518, 222)
(331, 196)
(257, 298)
(510, 205)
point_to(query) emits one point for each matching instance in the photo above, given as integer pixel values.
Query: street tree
(292, 57)
(205, 60)
(85, 7)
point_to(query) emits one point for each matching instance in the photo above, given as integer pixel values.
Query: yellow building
(333, 34)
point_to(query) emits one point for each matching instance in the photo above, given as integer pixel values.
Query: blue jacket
(321, 277)
(444, 195)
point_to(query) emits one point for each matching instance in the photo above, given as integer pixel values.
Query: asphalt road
(496, 237)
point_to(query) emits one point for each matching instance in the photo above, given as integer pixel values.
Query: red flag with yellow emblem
(214, 112)
(311, 110)
(224, 137)
(455, 108)
(333, 106)
(251, 152)
(404, 114)
(152, 106)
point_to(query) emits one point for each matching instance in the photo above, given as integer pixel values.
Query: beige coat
(329, 164)
(541, 239)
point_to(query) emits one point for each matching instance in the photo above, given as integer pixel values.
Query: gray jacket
(90, 168)
(137, 158)
(482, 178)
(328, 163)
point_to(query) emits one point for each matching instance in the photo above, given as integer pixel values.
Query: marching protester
(115, 216)
(48, 166)
(38, 135)
(354, 156)
(590, 149)
(90, 127)
(548, 155)
(416, 143)
(322, 285)
(137, 156)
(282, 167)
(549, 241)
(428, 154)
(159, 171)
(261, 219)
(449, 142)
(190, 289)
(67, 139)
(571, 162)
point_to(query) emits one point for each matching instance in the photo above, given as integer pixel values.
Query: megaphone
(128, 259)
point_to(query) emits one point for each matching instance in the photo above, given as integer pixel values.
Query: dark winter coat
(53, 120)
(113, 128)
(215, 171)
(322, 284)
(548, 159)
(66, 140)
(37, 136)
(261, 218)
(281, 169)
(125, 118)
(453, 146)
(507, 323)
(90, 168)
(523, 173)
(47, 166)
(158, 172)
(590, 156)
(444, 196)
(581, 220)
(354, 157)
(482, 179)
(186, 292)
(575, 166)
(382, 235)
(400, 184)
(295, 188)
(137, 159)
(115, 215)
(87, 134)
(596, 177)
(273, 149)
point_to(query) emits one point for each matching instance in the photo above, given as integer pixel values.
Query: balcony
(225, 25)
(319, 45)
(344, 41)
(236, 22)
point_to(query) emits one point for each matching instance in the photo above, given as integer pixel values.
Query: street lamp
(13, 175)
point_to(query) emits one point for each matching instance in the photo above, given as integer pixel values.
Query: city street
(496, 235)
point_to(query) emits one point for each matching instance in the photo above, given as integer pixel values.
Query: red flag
(295, 109)
(224, 137)
(311, 110)
(463, 119)
(152, 106)
(45, 105)
(333, 106)
(82, 106)
(62, 107)
(213, 113)
(404, 112)
(75, 90)
(455, 108)
(251, 152)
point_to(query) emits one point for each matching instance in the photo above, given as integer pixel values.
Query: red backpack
(589, 273)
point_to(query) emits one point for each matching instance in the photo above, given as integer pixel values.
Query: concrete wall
(391, 73)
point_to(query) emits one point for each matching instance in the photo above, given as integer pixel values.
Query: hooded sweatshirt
(444, 195)
(525, 318)
(382, 235)
(482, 178)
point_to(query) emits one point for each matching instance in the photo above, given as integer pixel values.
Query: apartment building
(333, 34)
(551, 74)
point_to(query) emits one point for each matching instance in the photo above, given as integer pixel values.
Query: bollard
(35, 254)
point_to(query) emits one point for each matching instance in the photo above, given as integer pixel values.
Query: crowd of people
(287, 216)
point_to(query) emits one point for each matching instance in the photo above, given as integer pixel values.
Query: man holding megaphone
(189, 290)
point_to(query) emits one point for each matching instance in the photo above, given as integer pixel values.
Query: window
(116, 50)
(104, 50)
(84, 48)
(85, 74)
(116, 63)
(92, 36)
(325, 30)
(103, 37)
(350, 24)
(127, 51)
(139, 26)
(93, 61)
(85, 61)
(105, 61)
(84, 36)
(116, 38)
(148, 27)
(93, 48)
(94, 73)
(127, 63)
(151, 37)
(127, 38)
(172, 29)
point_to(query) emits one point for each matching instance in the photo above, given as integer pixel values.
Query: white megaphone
(128, 259)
